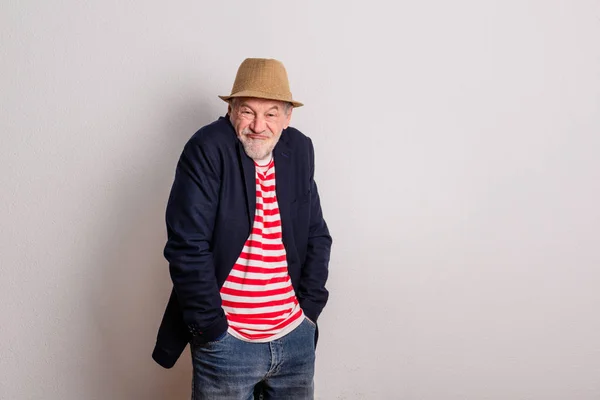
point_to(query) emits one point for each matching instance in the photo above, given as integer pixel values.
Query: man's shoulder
(293, 138)
(216, 134)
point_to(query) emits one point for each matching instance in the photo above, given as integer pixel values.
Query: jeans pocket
(220, 338)
(310, 322)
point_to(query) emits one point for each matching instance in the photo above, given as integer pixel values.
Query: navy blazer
(209, 217)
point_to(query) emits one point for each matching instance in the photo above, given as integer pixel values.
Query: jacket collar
(282, 153)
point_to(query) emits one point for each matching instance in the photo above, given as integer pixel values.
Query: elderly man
(248, 248)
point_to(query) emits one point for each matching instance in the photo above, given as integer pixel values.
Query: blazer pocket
(302, 199)
(299, 207)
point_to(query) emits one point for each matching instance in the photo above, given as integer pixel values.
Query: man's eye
(246, 112)
(270, 115)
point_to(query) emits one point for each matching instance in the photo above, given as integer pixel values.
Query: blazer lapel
(250, 183)
(283, 174)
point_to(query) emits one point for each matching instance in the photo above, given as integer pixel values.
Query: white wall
(458, 158)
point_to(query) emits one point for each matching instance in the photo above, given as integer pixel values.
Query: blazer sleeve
(190, 218)
(312, 292)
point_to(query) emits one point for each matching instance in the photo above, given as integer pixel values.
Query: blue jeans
(231, 369)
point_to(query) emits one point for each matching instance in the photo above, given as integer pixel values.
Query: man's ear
(288, 118)
(229, 108)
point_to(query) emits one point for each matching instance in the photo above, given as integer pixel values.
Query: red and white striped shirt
(257, 296)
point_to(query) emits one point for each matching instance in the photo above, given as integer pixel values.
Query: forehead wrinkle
(244, 103)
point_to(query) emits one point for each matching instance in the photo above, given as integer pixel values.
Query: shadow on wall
(132, 282)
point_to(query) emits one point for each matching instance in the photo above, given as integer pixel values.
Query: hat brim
(261, 95)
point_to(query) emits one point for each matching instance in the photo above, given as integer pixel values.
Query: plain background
(458, 157)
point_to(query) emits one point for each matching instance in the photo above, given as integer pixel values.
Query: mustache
(248, 131)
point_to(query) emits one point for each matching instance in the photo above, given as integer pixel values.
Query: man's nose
(258, 125)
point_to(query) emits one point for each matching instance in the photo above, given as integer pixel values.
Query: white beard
(258, 150)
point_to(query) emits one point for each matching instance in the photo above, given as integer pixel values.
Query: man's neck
(264, 162)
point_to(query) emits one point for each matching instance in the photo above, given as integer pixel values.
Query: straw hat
(264, 79)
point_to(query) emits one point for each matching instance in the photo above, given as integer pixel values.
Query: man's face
(258, 124)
